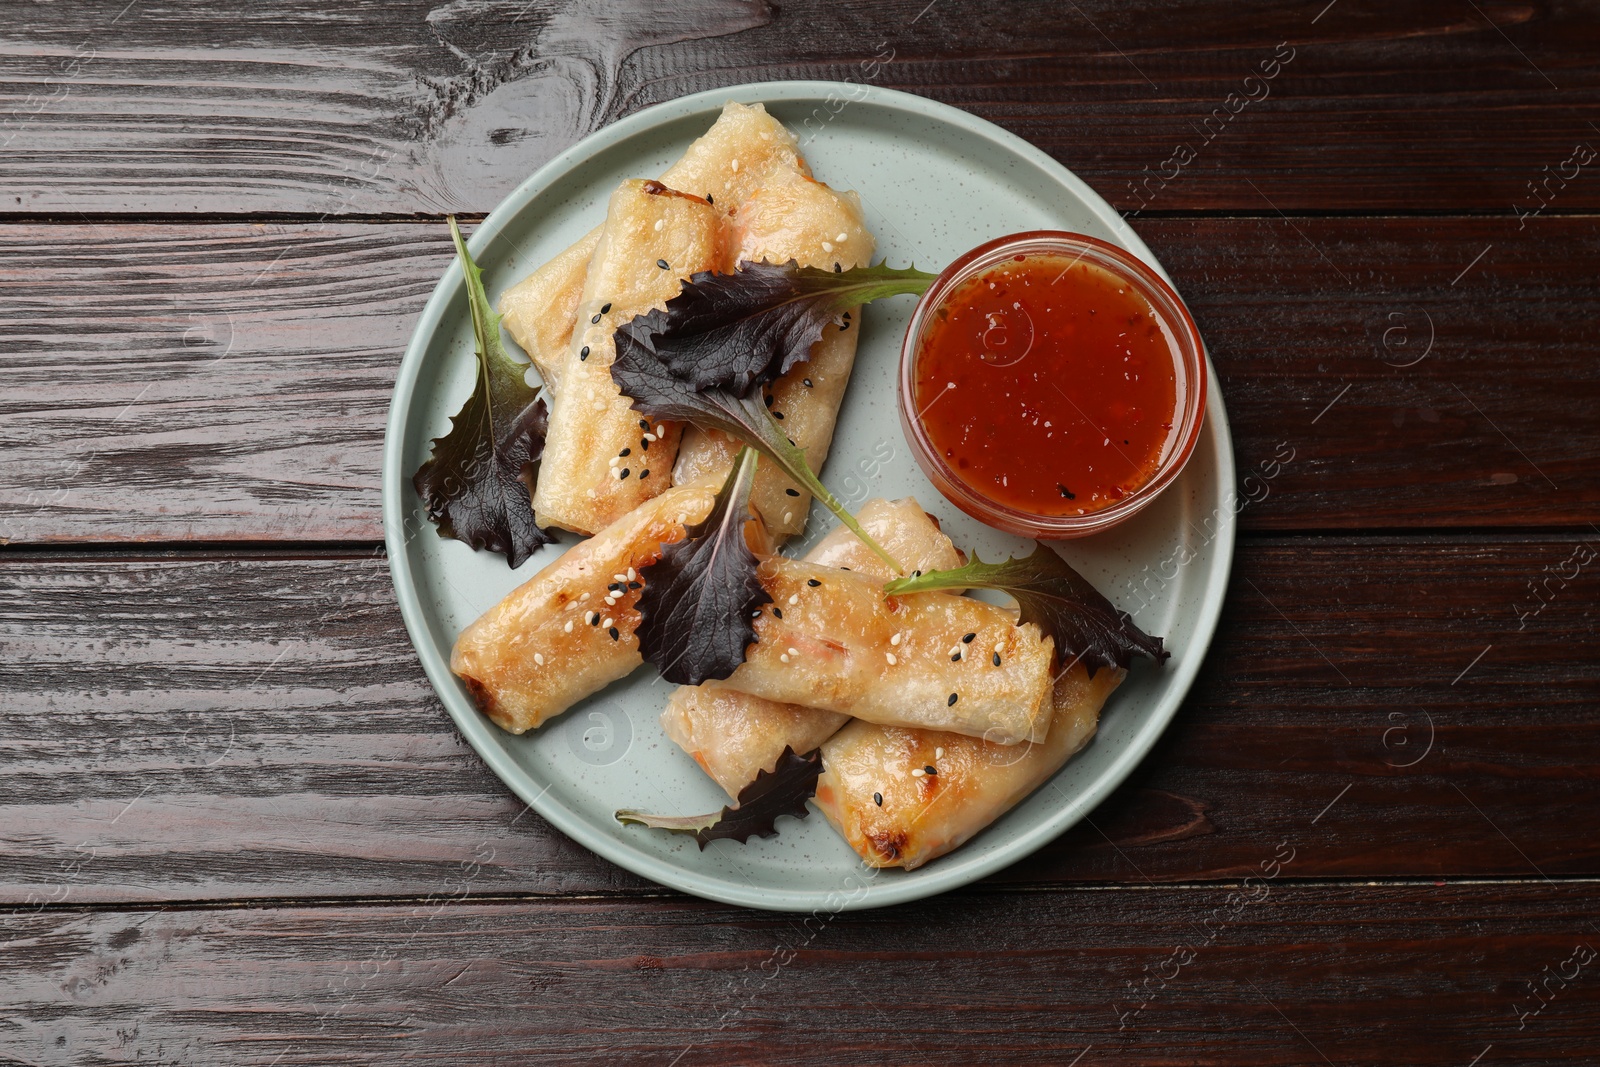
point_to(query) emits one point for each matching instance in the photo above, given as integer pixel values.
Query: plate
(934, 181)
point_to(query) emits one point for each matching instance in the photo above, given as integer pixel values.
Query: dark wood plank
(391, 106)
(1273, 973)
(230, 382)
(214, 728)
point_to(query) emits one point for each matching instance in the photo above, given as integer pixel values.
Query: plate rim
(478, 731)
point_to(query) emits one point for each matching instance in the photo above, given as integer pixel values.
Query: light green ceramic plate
(935, 181)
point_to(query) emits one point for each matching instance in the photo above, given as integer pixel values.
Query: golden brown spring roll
(832, 640)
(876, 790)
(601, 459)
(733, 735)
(725, 164)
(568, 631)
(791, 217)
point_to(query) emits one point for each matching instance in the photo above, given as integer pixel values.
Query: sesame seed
(735, 166)
(777, 612)
(538, 657)
(951, 702)
(660, 225)
(625, 452)
(611, 600)
(644, 474)
(583, 353)
(917, 772)
(615, 461)
(607, 621)
(967, 639)
(930, 770)
(842, 238)
(895, 640)
(794, 652)
(632, 574)
(794, 598)
(997, 659)
(568, 627)
(938, 753)
(594, 619)
(594, 321)
(605, 308)
(877, 798)
(643, 425)
(709, 198)
(788, 516)
(624, 474)
(890, 657)
(783, 657)
(955, 651)
(812, 582)
(827, 246)
(661, 431)
(644, 446)
(792, 492)
(585, 596)
(619, 577)
(769, 400)
(806, 382)
(648, 437)
(778, 415)
(662, 264)
(999, 646)
(838, 268)
(615, 636)
(955, 657)
(843, 326)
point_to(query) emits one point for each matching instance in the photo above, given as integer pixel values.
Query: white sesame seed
(895, 640)
(607, 621)
(620, 577)
(591, 494)
(783, 657)
(955, 651)
(917, 772)
(584, 597)
(633, 575)
(538, 657)
(660, 225)
(616, 461)
(568, 626)
(649, 436)
(788, 516)
(842, 238)
(938, 753)
(736, 166)
(890, 657)
(599, 405)
(999, 646)
(794, 652)
(661, 431)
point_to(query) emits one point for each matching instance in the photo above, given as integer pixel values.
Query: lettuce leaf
(477, 487)
(659, 394)
(781, 791)
(700, 598)
(1086, 626)
(740, 330)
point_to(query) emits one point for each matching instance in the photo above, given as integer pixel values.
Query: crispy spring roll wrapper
(923, 816)
(541, 310)
(554, 640)
(725, 164)
(601, 459)
(792, 217)
(733, 735)
(841, 645)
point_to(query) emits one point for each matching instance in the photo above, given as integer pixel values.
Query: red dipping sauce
(1053, 382)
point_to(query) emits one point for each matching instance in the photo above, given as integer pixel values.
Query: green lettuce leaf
(700, 598)
(781, 791)
(477, 487)
(1086, 626)
(740, 330)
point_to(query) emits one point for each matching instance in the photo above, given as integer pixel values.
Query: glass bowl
(1189, 366)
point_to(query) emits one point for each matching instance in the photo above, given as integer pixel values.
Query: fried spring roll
(725, 164)
(877, 791)
(601, 459)
(841, 645)
(733, 735)
(554, 639)
(792, 217)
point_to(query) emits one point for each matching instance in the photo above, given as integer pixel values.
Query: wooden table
(238, 828)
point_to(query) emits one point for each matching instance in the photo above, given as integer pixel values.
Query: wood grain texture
(259, 727)
(392, 106)
(229, 382)
(1271, 973)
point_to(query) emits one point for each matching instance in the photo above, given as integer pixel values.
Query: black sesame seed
(807, 382)
(838, 268)
(769, 400)
(605, 308)
(625, 452)
(792, 492)
(931, 770)
(955, 658)
(777, 612)
(644, 446)
(777, 415)
(643, 425)
(635, 585)
(997, 659)
(614, 587)
(847, 316)
(812, 582)
(878, 799)
(624, 474)
(1068, 493)
(951, 701)
(843, 326)
(967, 640)
(594, 320)
(710, 199)
(662, 264)
(644, 474)
(596, 621)
(615, 634)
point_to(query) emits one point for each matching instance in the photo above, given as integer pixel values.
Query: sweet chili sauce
(1048, 385)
